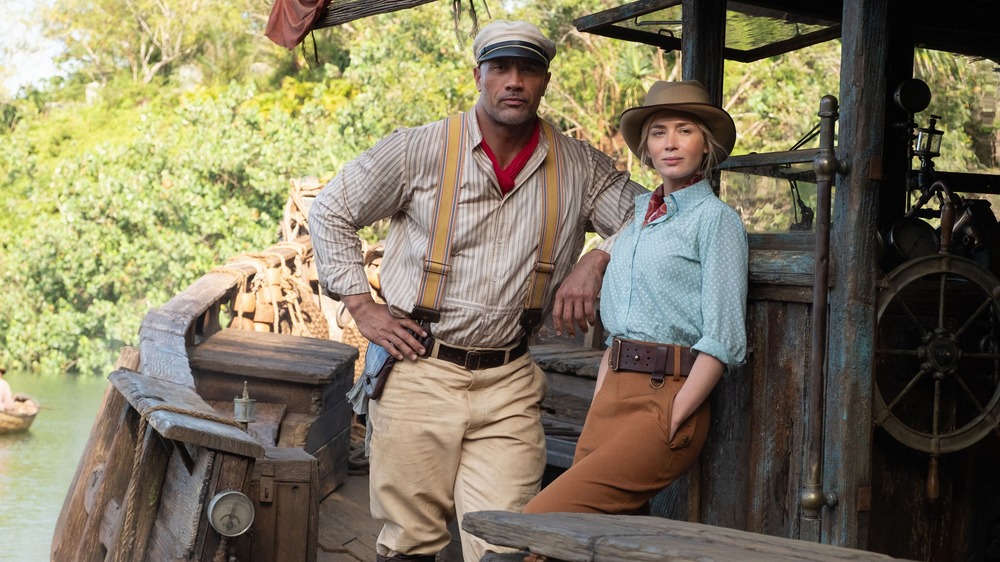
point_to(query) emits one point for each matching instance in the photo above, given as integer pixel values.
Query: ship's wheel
(937, 357)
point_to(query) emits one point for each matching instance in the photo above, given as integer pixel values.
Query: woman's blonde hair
(715, 155)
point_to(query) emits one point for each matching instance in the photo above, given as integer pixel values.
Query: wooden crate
(284, 488)
(309, 376)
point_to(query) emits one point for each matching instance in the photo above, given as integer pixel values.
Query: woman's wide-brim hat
(689, 96)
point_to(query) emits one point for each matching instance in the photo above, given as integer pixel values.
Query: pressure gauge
(230, 513)
(913, 238)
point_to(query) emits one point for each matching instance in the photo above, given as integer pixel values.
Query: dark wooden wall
(750, 472)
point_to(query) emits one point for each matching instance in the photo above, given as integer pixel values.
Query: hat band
(534, 50)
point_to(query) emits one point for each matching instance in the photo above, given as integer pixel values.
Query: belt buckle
(614, 360)
(468, 364)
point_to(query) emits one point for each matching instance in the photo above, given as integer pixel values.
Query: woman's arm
(704, 375)
(602, 370)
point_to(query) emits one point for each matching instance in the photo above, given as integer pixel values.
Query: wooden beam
(848, 392)
(587, 537)
(703, 42)
(343, 11)
(621, 13)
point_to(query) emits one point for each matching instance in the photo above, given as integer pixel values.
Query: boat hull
(19, 420)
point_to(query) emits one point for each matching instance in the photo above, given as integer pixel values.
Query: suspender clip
(425, 315)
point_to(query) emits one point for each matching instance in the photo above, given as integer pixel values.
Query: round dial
(230, 513)
(913, 238)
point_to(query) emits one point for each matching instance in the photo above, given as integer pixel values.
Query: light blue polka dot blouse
(681, 279)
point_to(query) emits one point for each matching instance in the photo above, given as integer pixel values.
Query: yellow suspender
(436, 267)
(544, 263)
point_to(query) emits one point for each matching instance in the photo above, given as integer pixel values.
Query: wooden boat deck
(347, 531)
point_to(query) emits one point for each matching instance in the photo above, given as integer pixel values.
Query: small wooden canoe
(20, 418)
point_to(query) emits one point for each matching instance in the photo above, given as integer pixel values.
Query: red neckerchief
(505, 177)
(657, 206)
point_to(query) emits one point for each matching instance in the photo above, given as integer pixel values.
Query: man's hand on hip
(377, 325)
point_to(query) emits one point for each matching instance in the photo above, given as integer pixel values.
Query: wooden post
(896, 159)
(702, 44)
(847, 420)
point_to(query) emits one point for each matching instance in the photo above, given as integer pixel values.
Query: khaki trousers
(624, 457)
(447, 441)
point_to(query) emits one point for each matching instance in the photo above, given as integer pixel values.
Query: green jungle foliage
(170, 144)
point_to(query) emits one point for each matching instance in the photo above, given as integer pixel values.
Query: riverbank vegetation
(169, 143)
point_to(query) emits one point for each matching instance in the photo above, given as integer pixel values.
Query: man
(459, 430)
(6, 396)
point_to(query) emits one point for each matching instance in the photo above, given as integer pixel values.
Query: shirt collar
(692, 195)
(476, 136)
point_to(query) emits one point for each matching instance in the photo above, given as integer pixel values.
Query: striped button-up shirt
(495, 239)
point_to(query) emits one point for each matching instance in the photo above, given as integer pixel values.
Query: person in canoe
(7, 403)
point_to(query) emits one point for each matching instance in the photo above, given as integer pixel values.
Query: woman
(674, 301)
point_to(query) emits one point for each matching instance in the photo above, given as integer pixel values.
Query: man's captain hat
(502, 38)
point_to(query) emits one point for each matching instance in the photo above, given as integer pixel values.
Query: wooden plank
(164, 357)
(109, 465)
(149, 483)
(779, 293)
(567, 358)
(782, 267)
(298, 398)
(332, 422)
(777, 447)
(332, 457)
(181, 506)
(622, 538)
(703, 43)
(289, 358)
(297, 503)
(146, 394)
(90, 471)
(347, 527)
(847, 420)
(343, 11)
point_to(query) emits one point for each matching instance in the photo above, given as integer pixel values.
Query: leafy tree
(149, 38)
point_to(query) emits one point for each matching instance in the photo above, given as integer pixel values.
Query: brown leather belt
(657, 359)
(475, 359)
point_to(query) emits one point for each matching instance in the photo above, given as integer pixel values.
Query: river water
(37, 468)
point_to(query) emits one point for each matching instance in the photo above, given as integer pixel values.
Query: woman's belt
(475, 359)
(658, 359)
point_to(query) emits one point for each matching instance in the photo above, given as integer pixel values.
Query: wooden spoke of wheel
(939, 353)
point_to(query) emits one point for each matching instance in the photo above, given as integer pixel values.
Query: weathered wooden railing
(159, 452)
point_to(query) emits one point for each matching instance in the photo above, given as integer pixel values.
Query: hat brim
(717, 120)
(515, 51)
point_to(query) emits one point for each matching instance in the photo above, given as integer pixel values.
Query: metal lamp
(928, 143)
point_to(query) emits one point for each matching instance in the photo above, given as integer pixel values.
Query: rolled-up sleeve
(724, 259)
